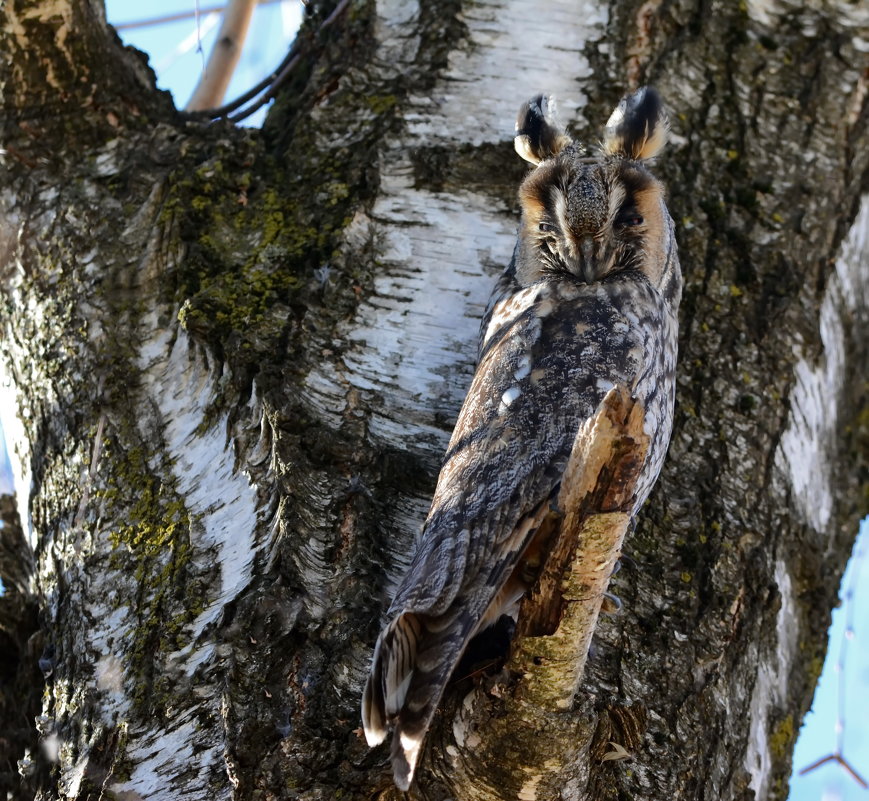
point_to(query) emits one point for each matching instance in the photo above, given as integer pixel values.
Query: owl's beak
(586, 265)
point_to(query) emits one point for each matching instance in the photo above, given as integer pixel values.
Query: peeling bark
(236, 358)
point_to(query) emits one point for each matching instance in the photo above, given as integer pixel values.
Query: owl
(588, 303)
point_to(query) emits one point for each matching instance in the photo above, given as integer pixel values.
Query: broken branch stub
(557, 619)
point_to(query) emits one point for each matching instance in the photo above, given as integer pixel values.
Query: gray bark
(236, 357)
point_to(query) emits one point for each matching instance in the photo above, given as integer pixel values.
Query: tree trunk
(236, 357)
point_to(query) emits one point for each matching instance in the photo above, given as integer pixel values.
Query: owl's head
(593, 216)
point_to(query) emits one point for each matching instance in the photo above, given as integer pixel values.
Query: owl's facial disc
(581, 209)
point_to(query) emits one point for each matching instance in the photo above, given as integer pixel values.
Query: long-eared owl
(588, 303)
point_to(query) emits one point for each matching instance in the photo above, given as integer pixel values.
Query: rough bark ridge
(236, 358)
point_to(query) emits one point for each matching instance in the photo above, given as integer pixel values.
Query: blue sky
(842, 694)
(177, 54)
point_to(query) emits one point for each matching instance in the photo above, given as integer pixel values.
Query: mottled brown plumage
(589, 302)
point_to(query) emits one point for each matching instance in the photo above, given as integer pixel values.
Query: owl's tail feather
(391, 671)
(407, 681)
(441, 649)
(417, 652)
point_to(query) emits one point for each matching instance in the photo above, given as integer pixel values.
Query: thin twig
(224, 110)
(839, 760)
(181, 15)
(267, 95)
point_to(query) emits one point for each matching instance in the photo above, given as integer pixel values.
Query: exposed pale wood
(597, 498)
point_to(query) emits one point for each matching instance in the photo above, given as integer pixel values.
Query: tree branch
(224, 56)
(66, 81)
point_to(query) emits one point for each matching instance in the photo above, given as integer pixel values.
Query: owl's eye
(629, 217)
(545, 228)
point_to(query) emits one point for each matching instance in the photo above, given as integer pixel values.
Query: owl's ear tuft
(638, 127)
(538, 135)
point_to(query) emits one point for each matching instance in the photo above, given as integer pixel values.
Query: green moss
(380, 104)
(248, 248)
(336, 192)
(152, 545)
(782, 738)
(814, 668)
(122, 765)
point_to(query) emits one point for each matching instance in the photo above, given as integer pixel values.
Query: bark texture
(236, 358)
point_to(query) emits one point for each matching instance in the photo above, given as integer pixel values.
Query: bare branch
(597, 497)
(224, 56)
(178, 16)
(268, 87)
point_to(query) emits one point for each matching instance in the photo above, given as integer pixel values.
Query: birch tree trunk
(235, 358)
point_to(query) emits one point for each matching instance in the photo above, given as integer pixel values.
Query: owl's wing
(551, 354)
(505, 287)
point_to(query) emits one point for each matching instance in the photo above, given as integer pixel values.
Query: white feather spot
(375, 736)
(617, 117)
(561, 209)
(510, 395)
(410, 746)
(523, 368)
